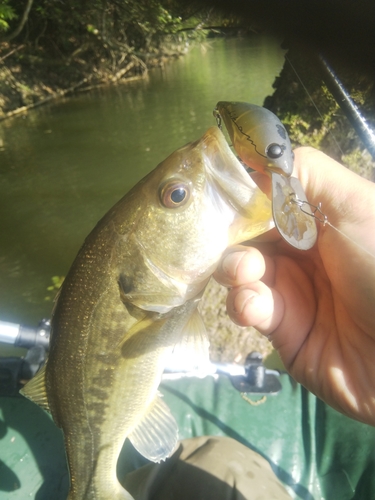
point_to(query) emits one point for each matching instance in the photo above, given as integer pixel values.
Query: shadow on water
(8, 479)
(32, 453)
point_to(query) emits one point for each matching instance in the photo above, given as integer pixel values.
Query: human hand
(317, 307)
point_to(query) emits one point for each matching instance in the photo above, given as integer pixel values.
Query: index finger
(239, 265)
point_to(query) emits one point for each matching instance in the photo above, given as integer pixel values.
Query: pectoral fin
(156, 435)
(35, 389)
(191, 353)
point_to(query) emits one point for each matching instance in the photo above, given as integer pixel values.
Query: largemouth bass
(130, 298)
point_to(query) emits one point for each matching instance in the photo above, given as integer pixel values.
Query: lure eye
(274, 151)
(174, 194)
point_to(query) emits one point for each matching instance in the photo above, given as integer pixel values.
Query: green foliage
(57, 281)
(99, 29)
(360, 162)
(313, 117)
(56, 46)
(6, 14)
(303, 130)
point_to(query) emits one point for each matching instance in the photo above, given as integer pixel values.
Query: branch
(12, 52)
(55, 95)
(122, 72)
(24, 18)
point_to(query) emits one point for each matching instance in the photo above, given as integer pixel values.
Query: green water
(63, 166)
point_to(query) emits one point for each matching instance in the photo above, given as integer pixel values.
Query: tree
(22, 22)
(6, 14)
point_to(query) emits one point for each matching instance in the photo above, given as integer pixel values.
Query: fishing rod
(251, 378)
(348, 106)
(342, 97)
(355, 118)
(24, 336)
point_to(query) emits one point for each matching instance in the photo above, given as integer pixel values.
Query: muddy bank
(28, 79)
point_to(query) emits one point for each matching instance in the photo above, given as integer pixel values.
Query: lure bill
(262, 143)
(296, 226)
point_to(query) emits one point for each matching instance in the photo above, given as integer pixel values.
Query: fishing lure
(262, 143)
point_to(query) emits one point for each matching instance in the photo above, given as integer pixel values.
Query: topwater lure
(262, 143)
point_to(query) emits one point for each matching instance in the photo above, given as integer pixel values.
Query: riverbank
(54, 49)
(301, 100)
(28, 80)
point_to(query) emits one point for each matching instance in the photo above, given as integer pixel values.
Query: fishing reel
(16, 371)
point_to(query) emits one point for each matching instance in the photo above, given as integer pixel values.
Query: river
(64, 165)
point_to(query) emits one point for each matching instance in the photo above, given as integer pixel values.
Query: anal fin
(35, 389)
(156, 435)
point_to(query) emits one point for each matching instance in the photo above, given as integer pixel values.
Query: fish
(262, 143)
(130, 300)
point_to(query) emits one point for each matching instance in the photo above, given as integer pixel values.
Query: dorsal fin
(155, 437)
(35, 389)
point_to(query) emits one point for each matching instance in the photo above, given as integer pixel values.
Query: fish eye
(274, 151)
(174, 194)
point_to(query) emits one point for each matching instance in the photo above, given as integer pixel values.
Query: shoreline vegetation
(49, 49)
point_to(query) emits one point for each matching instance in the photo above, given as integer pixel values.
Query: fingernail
(242, 298)
(230, 263)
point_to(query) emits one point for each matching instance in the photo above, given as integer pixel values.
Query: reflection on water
(63, 166)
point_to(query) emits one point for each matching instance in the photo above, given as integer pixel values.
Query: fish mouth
(244, 207)
(226, 171)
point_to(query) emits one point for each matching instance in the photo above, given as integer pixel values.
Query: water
(63, 166)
